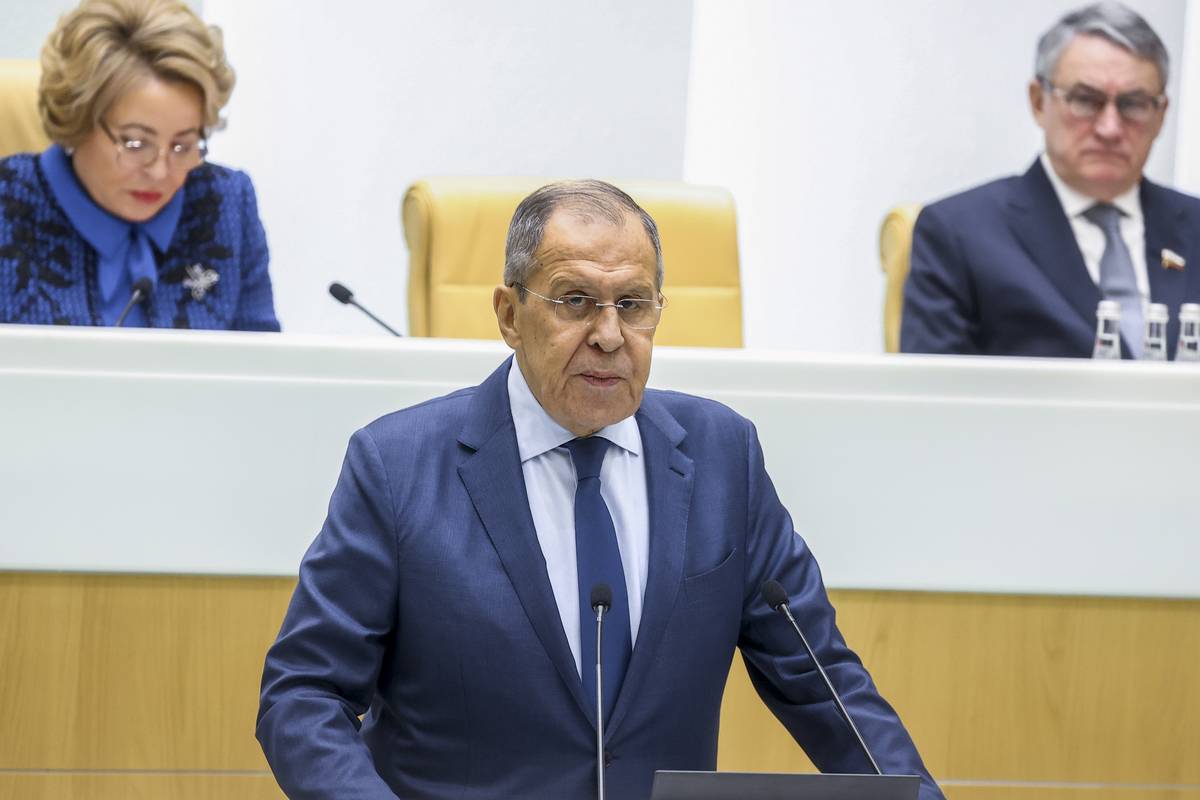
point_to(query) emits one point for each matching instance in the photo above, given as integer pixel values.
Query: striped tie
(1117, 279)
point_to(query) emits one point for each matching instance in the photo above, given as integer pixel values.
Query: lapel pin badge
(200, 280)
(1172, 260)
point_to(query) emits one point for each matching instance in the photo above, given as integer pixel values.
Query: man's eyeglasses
(136, 153)
(634, 312)
(1084, 102)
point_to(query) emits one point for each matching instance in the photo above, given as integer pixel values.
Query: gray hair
(589, 199)
(1117, 23)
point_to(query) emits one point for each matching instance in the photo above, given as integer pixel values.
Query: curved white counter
(161, 451)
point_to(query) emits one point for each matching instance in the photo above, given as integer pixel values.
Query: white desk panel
(160, 451)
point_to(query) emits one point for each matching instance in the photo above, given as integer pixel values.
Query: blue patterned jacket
(48, 272)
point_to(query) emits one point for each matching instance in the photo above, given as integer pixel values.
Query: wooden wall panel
(134, 671)
(1069, 792)
(995, 687)
(178, 786)
(1033, 698)
(199, 786)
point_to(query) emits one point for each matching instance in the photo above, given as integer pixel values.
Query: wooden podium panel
(179, 786)
(1068, 792)
(131, 686)
(1089, 694)
(134, 672)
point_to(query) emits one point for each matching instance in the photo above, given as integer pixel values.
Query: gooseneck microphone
(601, 601)
(141, 292)
(776, 597)
(346, 297)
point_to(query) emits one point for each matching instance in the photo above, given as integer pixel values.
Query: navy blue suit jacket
(425, 606)
(996, 270)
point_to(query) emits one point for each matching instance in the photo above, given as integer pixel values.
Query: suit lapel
(493, 479)
(1166, 228)
(1037, 219)
(669, 476)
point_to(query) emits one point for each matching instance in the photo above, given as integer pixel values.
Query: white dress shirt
(550, 484)
(1090, 236)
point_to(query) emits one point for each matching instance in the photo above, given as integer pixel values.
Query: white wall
(25, 24)
(340, 106)
(820, 116)
(1187, 154)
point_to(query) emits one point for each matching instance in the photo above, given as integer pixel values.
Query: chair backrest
(895, 252)
(20, 126)
(455, 230)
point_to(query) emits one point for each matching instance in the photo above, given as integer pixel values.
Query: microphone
(776, 597)
(601, 601)
(346, 297)
(141, 291)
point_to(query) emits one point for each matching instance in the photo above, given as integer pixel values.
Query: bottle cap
(1108, 308)
(1157, 312)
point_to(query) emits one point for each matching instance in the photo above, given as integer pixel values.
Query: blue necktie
(1117, 279)
(598, 560)
(135, 259)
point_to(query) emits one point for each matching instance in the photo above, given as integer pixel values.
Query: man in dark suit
(446, 599)
(1018, 266)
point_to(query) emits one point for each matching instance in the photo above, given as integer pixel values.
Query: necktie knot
(1105, 216)
(588, 455)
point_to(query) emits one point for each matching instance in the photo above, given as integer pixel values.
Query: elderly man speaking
(446, 601)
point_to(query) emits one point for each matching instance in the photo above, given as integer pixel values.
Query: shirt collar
(102, 230)
(1074, 202)
(538, 433)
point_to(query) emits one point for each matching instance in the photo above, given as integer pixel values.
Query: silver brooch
(200, 280)
(1172, 260)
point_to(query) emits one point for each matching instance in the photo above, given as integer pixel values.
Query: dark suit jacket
(996, 270)
(425, 604)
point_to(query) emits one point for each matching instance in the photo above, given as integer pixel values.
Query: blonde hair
(101, 49)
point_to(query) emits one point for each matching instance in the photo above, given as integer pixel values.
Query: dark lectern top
(777, 786)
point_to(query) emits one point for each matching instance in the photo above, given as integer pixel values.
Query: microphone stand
(787, 612)
(141, 290)
(381, 323)
(599, 706)
(346, 297)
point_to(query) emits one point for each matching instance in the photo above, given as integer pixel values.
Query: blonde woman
(122, 220)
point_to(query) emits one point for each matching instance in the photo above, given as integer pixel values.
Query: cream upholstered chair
(20, 125)
(455, 230)
(895, 252)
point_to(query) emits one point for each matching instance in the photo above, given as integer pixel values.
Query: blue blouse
(123, 247)
(65, 261)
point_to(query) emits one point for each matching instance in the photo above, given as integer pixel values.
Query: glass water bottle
(1108, 330)
(1154, 343)
(1189, 333)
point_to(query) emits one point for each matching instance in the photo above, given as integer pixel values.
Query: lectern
(778, 786)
